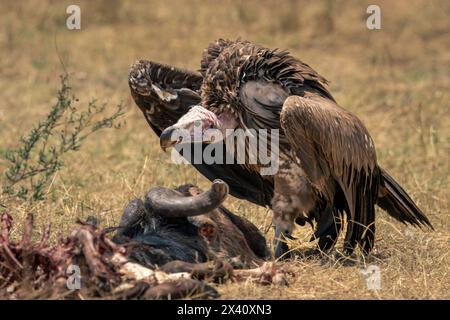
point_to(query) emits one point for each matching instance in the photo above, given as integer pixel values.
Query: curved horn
(171, 203)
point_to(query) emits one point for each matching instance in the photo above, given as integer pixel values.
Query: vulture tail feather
(399, 205)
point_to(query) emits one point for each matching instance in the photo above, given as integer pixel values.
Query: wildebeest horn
(171, 203)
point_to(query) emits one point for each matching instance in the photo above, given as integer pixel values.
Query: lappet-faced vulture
(328, 170)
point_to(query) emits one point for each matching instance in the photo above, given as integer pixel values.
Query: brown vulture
(328, 171)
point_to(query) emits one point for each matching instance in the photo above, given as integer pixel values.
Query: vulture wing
(333, 147)
(336, 152)
(338, 155)
(165, 93)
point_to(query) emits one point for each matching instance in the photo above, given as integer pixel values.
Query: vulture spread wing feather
(164, 94)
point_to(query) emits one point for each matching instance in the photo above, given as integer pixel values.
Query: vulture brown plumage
(328, 171)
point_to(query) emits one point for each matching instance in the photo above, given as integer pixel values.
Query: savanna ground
(396, 80)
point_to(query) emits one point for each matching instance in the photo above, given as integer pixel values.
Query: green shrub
(40, 153)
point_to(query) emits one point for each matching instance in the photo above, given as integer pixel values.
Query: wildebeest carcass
(165, 246)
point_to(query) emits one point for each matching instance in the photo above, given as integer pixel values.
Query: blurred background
(396, 80)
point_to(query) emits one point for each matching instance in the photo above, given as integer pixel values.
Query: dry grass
(396, 80)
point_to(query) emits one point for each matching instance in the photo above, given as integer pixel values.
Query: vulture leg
(280, 247)
(328, 229)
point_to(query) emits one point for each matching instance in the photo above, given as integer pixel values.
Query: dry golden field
(397, 80)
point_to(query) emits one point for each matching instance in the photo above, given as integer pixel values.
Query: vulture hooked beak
(198, 125)
(165, 139)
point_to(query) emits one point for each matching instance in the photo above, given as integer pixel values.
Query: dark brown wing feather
(337, 154)
(163, 93)
(396, 201)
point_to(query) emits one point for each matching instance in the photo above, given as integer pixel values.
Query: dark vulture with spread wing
(328, 171)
